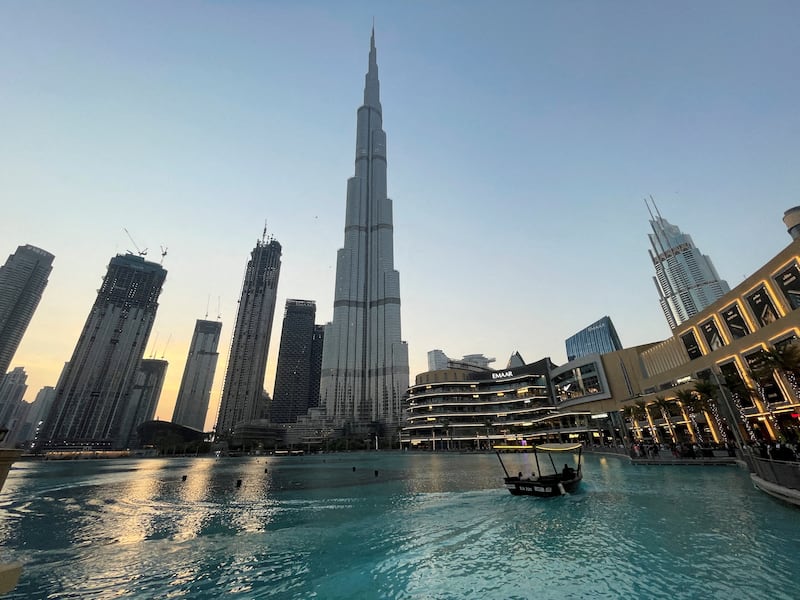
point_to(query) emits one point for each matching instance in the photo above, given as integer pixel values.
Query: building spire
(371, 85)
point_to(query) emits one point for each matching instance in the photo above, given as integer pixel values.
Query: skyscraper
(598, 338)
(22, 282)
(93, 394)
(13, 386)
(198, 376)
(142, 399)
(686, 280)
(365, 361)
(299, 359)
(243, 395)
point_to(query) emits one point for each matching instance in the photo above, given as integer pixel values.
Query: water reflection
(438, 526)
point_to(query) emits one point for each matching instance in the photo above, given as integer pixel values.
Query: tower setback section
(22, 282)
(365, 361)
(243, 395)
(93, 401)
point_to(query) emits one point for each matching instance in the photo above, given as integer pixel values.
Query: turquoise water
(428, 525)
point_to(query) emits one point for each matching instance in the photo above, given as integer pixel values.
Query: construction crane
(130, 237)
(169, 339)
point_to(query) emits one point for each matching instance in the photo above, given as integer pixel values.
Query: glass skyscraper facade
(598, 338)
(686, 280)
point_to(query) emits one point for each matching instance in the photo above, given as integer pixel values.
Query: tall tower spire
(372, 88)
(364, 361)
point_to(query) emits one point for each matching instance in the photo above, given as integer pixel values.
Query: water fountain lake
(390, 525)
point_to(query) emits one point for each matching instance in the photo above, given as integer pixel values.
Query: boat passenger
(568, 472)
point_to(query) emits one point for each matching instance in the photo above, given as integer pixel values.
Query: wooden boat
(556, 483)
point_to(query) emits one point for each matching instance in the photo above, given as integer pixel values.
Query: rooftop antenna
(138, 251)
(165, 346)
(648, 209)
(264, 233)
(655, 206)
(219, 314)
(655, 230)
(153, 348)
(163, 254)
(207, 303)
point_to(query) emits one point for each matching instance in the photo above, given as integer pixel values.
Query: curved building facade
(465, 410)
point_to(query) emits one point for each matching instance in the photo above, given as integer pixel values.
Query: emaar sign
(502, 374)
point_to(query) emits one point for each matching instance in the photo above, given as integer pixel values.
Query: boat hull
(543, 488)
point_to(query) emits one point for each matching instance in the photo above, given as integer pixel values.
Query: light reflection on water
(424, 526)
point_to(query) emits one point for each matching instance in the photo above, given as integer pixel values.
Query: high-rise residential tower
(365, 361)
(299, 360)
(143, 399)
(598, 338)
(686, 280)
(243, 395)
(194, 394)
(13, 386)
(22, 282)
(93, 394)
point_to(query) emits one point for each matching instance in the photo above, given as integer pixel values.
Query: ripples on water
(435, 526)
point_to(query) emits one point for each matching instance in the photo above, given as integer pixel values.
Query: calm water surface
(426, 526)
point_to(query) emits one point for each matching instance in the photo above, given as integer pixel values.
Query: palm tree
(445, 431)
(689, 402)
(662, 404)
(707, 393)
(632, 412)
(785, 359)
(642, 406)
(763, 370)
(740, 390)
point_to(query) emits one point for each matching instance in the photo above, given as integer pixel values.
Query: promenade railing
(780, 472)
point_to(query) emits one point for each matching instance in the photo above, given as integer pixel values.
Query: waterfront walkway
(701, 462)
(778, 478)
(667, 459)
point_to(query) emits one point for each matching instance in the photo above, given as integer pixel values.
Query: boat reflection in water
(556, 483)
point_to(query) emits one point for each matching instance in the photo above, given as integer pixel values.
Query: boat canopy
(553, 447)
(558, 447)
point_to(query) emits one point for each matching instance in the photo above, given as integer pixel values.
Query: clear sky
(522, 139)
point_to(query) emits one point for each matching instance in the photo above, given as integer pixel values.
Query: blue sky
(522, 139)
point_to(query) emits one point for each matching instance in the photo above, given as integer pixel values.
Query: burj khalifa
(365, 361)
